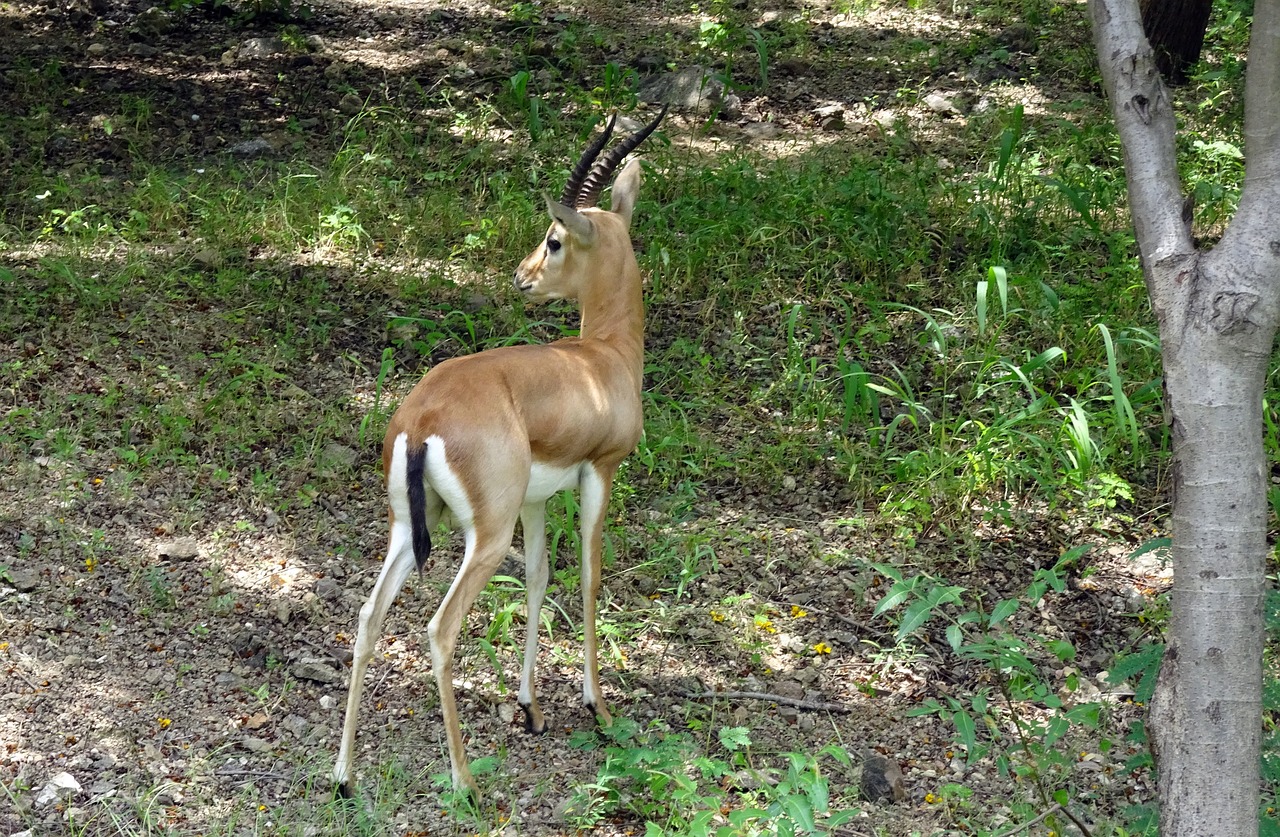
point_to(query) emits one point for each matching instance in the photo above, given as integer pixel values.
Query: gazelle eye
(552, 245)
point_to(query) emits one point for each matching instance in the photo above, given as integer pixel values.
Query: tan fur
(572, 406)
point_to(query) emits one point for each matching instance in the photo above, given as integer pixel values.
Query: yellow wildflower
(798, 612)
(822, 648)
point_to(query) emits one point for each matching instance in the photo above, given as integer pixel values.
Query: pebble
(60, 788)
(180, 548)
(296, 725)
(316, 671)
(255, 745)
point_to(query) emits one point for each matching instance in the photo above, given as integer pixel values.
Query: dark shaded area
(1176, 30)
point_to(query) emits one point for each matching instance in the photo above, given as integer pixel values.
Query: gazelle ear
(626, 188)
(578, 225)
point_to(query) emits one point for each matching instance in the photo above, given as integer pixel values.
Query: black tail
(415, 474)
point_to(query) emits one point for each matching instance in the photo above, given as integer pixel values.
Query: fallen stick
(1017, 829)
(811, 705)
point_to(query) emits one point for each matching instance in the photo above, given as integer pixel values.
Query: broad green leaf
(916, 614)
(966, 730)
(1003, 611)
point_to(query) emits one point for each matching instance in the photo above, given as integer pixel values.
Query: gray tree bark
(1218, 311)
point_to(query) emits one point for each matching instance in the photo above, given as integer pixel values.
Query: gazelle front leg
(533, 523)
(596, 483)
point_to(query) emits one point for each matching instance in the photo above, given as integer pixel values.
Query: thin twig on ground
(811, 705)
(1024, 826)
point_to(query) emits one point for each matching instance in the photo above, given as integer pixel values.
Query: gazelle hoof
(534, 723)
(603, 719)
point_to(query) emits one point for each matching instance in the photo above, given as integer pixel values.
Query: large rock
(881, 779)
(694, 89)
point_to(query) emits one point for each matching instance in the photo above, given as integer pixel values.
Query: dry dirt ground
(179, 648)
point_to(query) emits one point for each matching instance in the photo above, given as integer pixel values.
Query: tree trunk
(1218, 312)
(1176, 30)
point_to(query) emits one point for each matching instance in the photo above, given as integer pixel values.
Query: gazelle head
(580, 233)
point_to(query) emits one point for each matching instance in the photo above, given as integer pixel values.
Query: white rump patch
(446, 483)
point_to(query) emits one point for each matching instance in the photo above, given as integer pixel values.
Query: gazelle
(490, 437)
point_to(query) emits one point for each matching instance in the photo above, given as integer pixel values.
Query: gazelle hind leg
(595, 500)
(533, 524)
(395, 570)
(483, 557)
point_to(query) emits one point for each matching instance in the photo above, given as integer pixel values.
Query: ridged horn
(571, 189)
(603, 170)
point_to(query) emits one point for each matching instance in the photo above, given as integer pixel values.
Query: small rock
(153, 22)
(96, 49)
(207, 257)
(143, 50)
(258, 147)
(830, 117)
(282, 611)
(881, 779)
(340, 455)
(788, 713)
(271, 521)
(650, 63)
(789, 689)
(506, 713)
(296, 725)
(260, 48)
(328, 702)
(328, 588)
(256, 721)
(762, 130)
(255, 745)
(942, 103)
(227, 680)
(60, 788)
(316, 671)
(731, 107)
(169, 796)
(102, 788)
(24, 581)
(789, 483)
(884, 118)
(351, 104)
(181, 549)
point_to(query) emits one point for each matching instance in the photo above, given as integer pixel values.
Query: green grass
(939, 331)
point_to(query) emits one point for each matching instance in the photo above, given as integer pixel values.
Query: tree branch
(1261, 192)
(1144, 117)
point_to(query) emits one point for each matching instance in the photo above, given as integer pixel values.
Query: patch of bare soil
(178, 649)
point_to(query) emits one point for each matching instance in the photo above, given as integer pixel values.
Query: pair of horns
(587, 180)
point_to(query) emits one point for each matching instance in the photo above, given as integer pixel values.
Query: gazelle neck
(613, 311)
